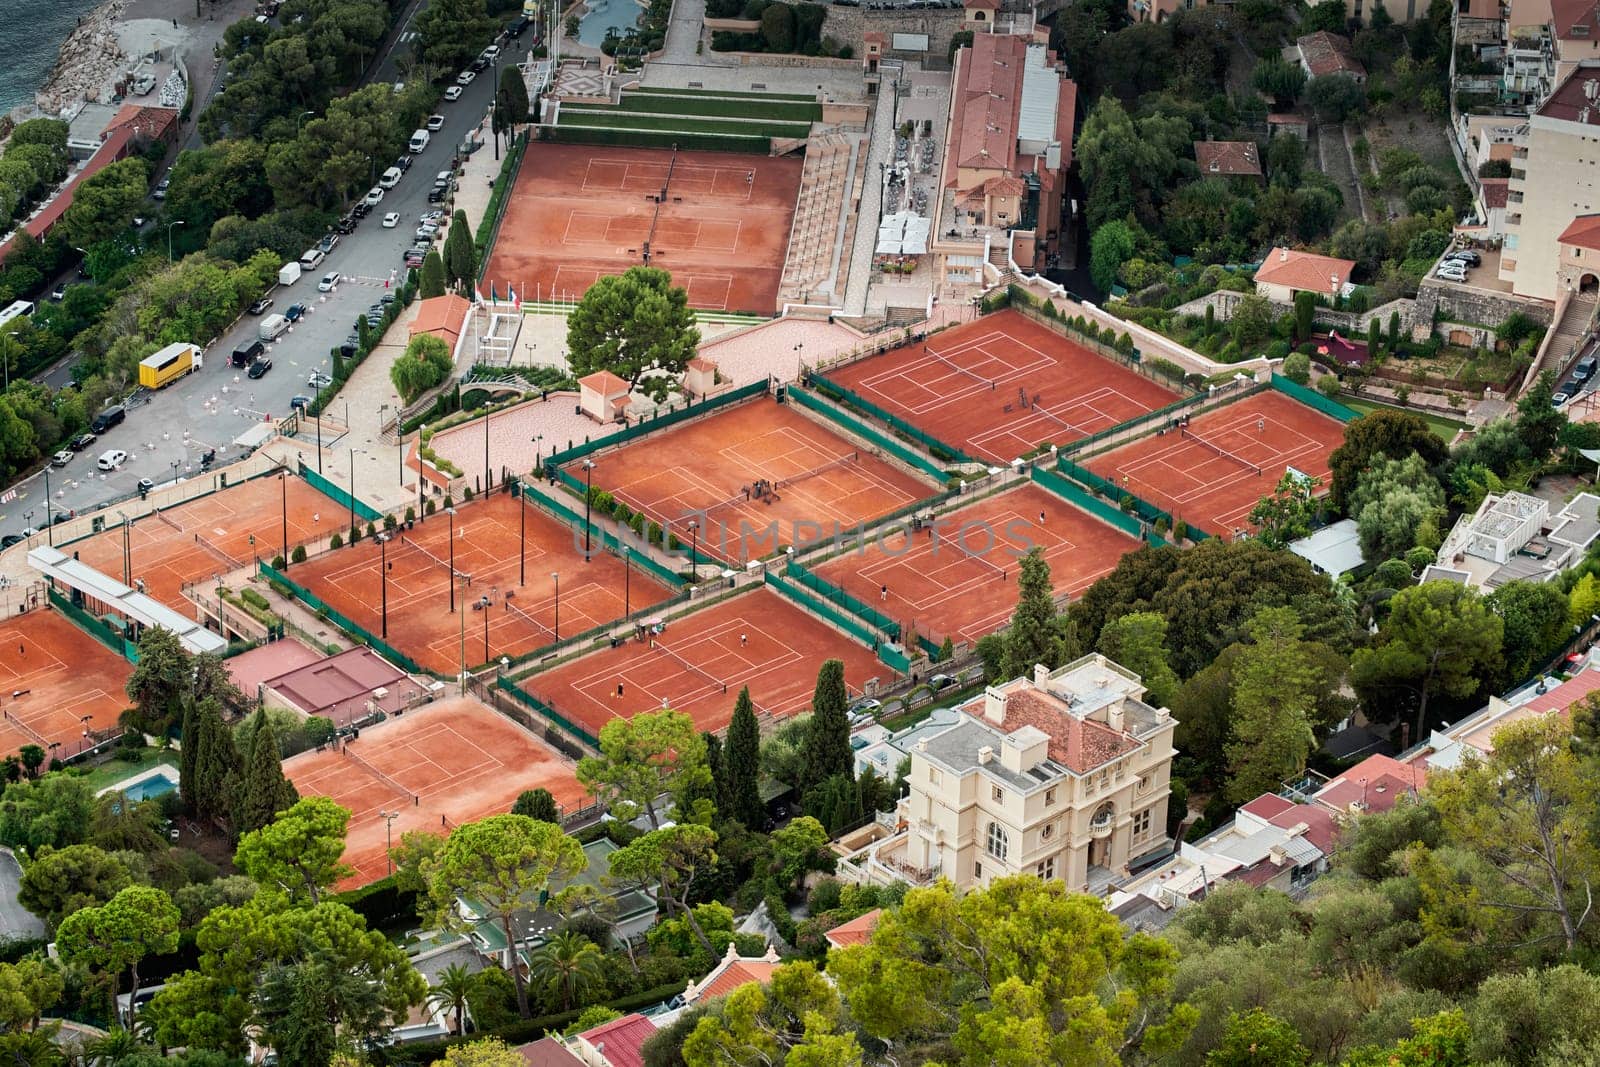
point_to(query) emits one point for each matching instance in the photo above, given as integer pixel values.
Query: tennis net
(538, 626)
(686, 665)
(379, 775)
(162, 515)
(953, 365)
(217, 552)
(1218, 449)
(1047, 413)
(832, 464)
(993, 567)
(437, 562)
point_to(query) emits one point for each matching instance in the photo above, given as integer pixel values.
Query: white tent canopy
(903, 233)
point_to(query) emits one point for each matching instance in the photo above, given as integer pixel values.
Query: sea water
(31, 35)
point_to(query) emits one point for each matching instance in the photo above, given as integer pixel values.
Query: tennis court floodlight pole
(486, 450)
(557, 579)
(388, 818)
(588, 500)
(49, 531)
(463, 652)
(522, 537)
(452, 513)
(694, 548)
(353, 452)
(484, 602)
(283, 486)
(383, 581)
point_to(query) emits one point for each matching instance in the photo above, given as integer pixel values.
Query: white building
(1513, 536)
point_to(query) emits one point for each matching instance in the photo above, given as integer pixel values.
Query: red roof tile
(1495, 191)
(441, 316)
(1585, 233)
(988, 97)
(621, 1039)
(1571, 102)
(1376, 782)
(546, 1052)
(1080, 745)
(857, 931)
(1580, 685)
(113, 148)
(1576, 20)
(736, 974)
(1304, 270)
(1228, 158)
(604, 382)
(1320, 827)
(1328, 53)
(1267, 805)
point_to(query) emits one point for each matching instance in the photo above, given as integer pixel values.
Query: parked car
(477, 66)
(11, 539)
(374, 197)
(299, 403)
(294, 312)
(59, 293)
(403, 164)
(61, 459)
(347, 223)
(391, 220)
(413, 257)
(161, 190)
(390, 178)
(329, 282)
(1465, 255)
(453, 93)
(1584, 369)
(111, 459)
(259, 368)
(260, 306)
(319, 380)
(427, 232)
(466, 77)
(81, 442)
(328, 243)
(432, 216)
(361, 209)
(246, 352)
(436, 122)
(491, 53)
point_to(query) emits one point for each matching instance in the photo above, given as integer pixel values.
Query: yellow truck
(168, 365)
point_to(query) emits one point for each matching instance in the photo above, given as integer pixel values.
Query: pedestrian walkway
(879, 148)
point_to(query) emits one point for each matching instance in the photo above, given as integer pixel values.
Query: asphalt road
(166, 435)
(15, 920)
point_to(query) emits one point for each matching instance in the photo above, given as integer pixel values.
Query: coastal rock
(89, 63)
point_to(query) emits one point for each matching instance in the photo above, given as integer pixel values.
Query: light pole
(463, 647)
(557, 579)
(299, 122)
(170, 225)
(538, 452)
(588, 501)
(627, 584)
(49, 531)
(522, 535)
(83, 721)
(694, 548)
(486, 481)
(383, 583)
(451, 511)
(353, 452)
(483, 603)
(388, 818)
(283, 485)
(420, 479)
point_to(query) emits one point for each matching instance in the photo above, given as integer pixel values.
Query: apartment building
(1008, 146)
(1063, 774)
(1555, 177)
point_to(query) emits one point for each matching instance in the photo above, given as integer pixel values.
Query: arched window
(998, 842)
(977, 16)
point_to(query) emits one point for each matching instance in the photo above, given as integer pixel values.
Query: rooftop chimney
(1041, 676)
(1283, 255)
(994, 705)
(986, 754)
(1114, 716)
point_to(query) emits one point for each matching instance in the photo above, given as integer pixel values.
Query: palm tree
(111, 1048)
(450, 992)
(569, 963)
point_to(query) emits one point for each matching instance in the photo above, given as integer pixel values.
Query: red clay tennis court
(958, 578)
(439, 766)
(52, 674)
(1001, 386)
(701, 661)
(712, 465)
(197, 540)
(488, 538)
(1185, 474)
(579, 211)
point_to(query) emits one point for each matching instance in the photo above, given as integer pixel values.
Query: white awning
(145, 610)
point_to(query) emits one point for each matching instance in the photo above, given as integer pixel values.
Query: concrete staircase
(1561, 344)
(814, 232)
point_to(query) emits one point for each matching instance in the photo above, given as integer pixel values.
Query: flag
(477, 295)
(511, 294)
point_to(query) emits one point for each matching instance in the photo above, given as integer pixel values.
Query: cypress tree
(216, 761)
(186, 756)
(742, 765)
(263, 790)
(433, 281)
(828, 750)
(537, 804)
(1031, 638)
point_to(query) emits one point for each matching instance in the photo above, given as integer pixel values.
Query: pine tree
(742, 765)
(216, 761)
(263, 790)
(828, 751)
(537, 804)
(719, 773)
(1031, 638)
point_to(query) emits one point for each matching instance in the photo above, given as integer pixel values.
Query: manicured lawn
(1445, 428)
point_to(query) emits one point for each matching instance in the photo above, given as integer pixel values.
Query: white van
(419, 140)
(390, 178)
(312, 258)
(271, 327)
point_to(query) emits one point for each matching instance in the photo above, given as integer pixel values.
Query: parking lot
(1486, 275)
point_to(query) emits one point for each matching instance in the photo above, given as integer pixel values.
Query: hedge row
(757, 107)
(700, 93)
(614, 119)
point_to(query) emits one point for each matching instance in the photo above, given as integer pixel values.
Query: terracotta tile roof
(604, 382)
(152, 122)
(1080, 745)
(701, 363)
(1304, 270)
(620, 1039)
(1571, 101)
(1576, 20)
(855, 932)
(1227, 157)
(736, 974)
(874, 37)
(546, 1052)
(988, 98)
(1495, 191)
(1320, 827)
(983, 5)
(1066, 119)
(441, 316)
(1009, 185)
(1267, 805)
(1377, 782)
(1580, 685)
(1585, 233)
(1258, 875)
(1328, 53)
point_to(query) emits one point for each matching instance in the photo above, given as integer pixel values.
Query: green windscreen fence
(545, 711)
(937, 448)
(1111, 491)
(805, 399)
(606, 538)
(318, 605)
(338, 494)
(817, 606)
(836, 595)
(107, 631)
(660, 420)
(1100, 509)
(1313, 399)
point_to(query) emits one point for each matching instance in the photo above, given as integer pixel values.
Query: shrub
(389, 522)
(1297, 367)
(1328, 385)
(255, 599)
(371, 529)
(335, 541)
(277, 563)
(411, 514)
(299, 554)
(432, 506)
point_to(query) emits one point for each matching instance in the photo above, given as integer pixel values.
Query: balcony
(1102, 824)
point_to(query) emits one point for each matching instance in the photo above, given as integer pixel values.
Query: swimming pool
(157, 785)
(601, 16)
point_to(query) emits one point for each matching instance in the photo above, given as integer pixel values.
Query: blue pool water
(157, 786)
(605, 14)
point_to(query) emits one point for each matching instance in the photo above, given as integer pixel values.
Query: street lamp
(538, 452)
(557, 579)
(170, 225)
(486, 479)
(588, 501)
(388, 818)
(49, 531)
(451, 511)
(694, 548)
